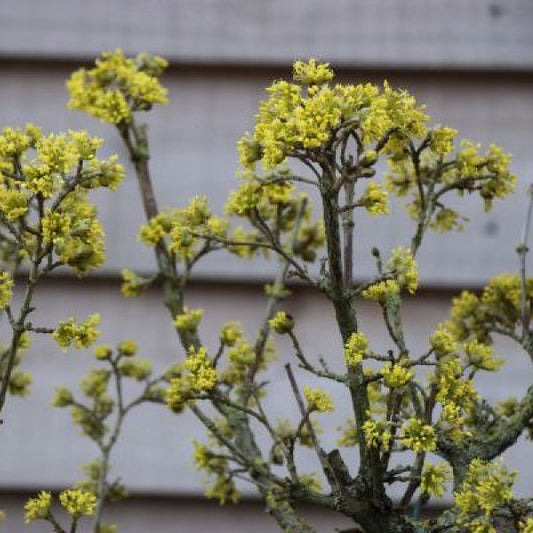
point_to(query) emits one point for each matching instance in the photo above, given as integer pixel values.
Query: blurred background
(470, 62)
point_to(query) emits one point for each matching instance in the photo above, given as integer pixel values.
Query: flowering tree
(418, 422)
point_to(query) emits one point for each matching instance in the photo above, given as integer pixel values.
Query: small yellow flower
(355, 348)
(38, 508)
(281, 323)
(318, 400)
(78, 502)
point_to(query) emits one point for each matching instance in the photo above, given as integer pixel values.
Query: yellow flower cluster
(198, 375)
(19, 383)
(481, 356)
(355, 348)
(81, 335)
(273, 200)
(62, 398)
(441, 140)
(118, 86)
(382, 291)
(187, 228)
(103, 352)
(434, 479)
(318, 400)
(377, 433)
(375, 200)
(281, 322)
(456, 395)
(472, 317)
(13, 203)
(487, 485)
(312, 73)
(396, 375)
(445, 220)
(230, 333)
(418, 436)
(443, 342)
(127, 348)
(58, 155)
(241, 356)
(75, 233)
(403, 266)
(60, 168)
(304, 115)
(38, 508)
(189, 320)
(6, 289)
(468, 171)
(78, 503)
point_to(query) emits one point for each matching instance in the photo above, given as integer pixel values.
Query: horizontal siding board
(399, 33)
(193, 148)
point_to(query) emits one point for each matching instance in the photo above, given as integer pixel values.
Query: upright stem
(342, 299)
(522, 251)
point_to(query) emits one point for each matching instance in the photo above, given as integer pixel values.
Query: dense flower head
(230, 333)
(189, 320)
(457, 395)
(75, 233)
(443, 342)
(127, 348)
(355, 348)
(78, 503)
(38, 508)
(186, 229)
(396, 374)
(487, 486)
(481, 356)
(441, 140)
(6, 289)
(304, 116)
(118, 86)
(103, 352)
(377, 433)
(418, 436)
(241, 356)
(55, 172)
(81, 335)
(19, 383)
(197, 375)
(498, 306)
(434, 479)
(62, 398)
(375, 199)
(318, 400)
(382, 290)
(281, 322)
(403, 266)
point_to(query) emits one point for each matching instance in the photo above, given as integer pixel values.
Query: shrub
(418, 421)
